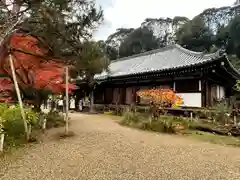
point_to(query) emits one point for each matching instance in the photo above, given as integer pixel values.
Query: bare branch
(10, 30)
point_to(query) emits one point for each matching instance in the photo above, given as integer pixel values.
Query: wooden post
(1, 142)
(29, 129)
(174, 86)
(19, 96)
(191, 116)
(235, 119)
(44, 124)
(67, 108)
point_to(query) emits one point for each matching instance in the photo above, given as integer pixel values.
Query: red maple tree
(33, 64)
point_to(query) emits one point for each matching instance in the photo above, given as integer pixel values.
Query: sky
(131, 13)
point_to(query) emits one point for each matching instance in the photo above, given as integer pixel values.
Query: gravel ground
(104, 150)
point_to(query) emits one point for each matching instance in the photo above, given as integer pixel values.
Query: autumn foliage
(160, 97)
(33, 64)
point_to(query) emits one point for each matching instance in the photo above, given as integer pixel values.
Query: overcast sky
(131, 13)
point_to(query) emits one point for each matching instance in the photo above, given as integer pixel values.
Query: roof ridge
(231, 65)
(190, 52)
(145, 53)
(194, 53)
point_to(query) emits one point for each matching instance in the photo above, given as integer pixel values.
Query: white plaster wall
(191, 99)
(221, 92)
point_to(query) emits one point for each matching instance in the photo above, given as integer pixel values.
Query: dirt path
(103, 150)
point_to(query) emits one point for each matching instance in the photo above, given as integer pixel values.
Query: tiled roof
(168, 58)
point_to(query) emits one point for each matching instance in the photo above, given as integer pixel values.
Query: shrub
(173, 124)
(168, 127)
(40, 116)
(159, 98)
(222, 109)
(3, 107)
(118, 111)
(31, 116)
(129, 117)
(12, 120)
(157, 126)
(54, 119)
(180, 121)
(136, 120)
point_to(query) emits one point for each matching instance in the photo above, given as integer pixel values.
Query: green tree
(68, 32)
(195, 35)
(64, 24)
(92, 60)
(114, 40)
(110, 51)
(234, 29)
(138, 41)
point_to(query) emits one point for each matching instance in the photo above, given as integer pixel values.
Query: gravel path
(103, 150)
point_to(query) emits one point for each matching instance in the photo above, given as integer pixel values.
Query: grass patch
(179, 125)
(164, 124)
(54, 120)
(15, 132)
(213, 138)
(11, 144)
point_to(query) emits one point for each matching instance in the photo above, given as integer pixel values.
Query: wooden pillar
(122, 95)
(111, 96)
(208, 93)
(200, 85)
(136, 97)
(108, 96)
(203, 92)
(105, 96)
(134, 94)
(118, 95)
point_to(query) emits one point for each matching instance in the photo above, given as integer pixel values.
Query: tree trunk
(91, 87)
(92, 109)
(38, 103)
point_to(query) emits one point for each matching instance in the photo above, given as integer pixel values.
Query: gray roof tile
(166, 58)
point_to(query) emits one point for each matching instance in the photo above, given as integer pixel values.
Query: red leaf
(5, 84)
(33, 65)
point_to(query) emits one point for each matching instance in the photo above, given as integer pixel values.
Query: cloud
(105, 3)
(106, 27)
(130, 13)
